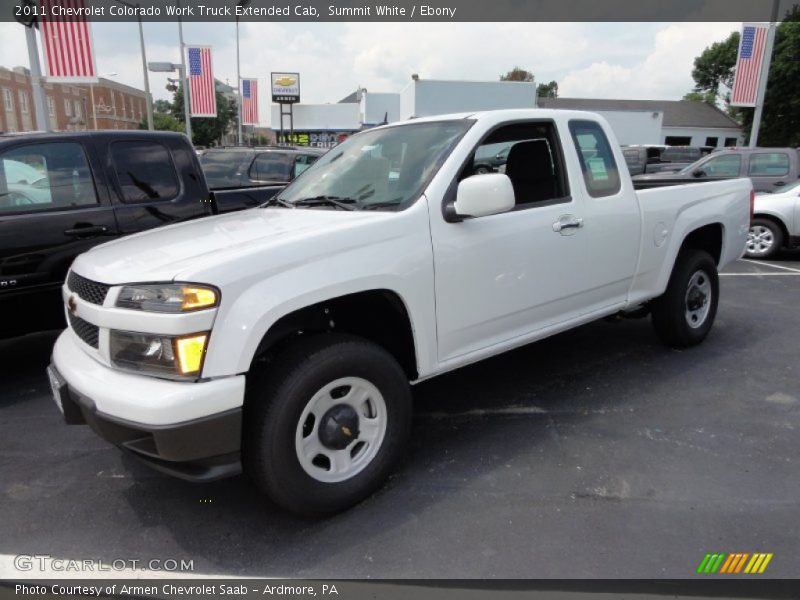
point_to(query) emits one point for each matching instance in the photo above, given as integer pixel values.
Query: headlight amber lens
(158, 355)
(167, 298)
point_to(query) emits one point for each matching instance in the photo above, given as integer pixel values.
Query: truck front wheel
(326, 423)
(684, 314)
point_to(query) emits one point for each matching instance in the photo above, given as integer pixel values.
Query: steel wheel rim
(697, 302)
(340, 465)
(759, 240)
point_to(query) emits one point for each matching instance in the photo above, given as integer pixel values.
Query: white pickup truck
(282, 340)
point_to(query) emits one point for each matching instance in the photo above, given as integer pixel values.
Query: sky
(588, 60)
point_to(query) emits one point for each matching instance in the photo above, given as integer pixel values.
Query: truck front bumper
(190, 430)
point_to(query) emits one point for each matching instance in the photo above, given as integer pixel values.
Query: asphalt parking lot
(596, 453)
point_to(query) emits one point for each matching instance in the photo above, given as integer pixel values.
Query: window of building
(144, 171)
(712, 141)
(677, 140)
(77, 108)
(8, 100)
(769, 164)
(67, 107)
(530, 155)
(45, 176)
(51, 106)
(23, 102)
(596, 157)
(731, 142)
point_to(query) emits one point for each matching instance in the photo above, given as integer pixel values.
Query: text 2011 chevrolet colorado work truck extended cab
(283, 339)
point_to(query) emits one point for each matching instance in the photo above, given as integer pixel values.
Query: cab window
(599, 168)
(728, 165)
(48, 176)
(769, 164)
(144, 171)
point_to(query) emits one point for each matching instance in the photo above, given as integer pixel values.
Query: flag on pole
(249, 101)
(67, 43)
(748, 65)
(201, 82)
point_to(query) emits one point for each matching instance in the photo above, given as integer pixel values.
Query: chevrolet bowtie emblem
(72, 305)
(346, 431)
(285, 81)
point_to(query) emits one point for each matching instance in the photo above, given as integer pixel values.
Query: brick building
(69, 107)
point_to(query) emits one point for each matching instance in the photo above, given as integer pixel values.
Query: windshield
(381, 169)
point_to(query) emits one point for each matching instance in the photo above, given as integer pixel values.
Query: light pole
(761, 92)
(167, 67)
(144, 63)
(241, 3)
(186, 95)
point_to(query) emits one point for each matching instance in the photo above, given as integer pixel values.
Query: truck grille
(88, 290)
(85, 330)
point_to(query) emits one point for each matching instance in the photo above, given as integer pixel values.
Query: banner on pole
(249, 101)
(748, 64)
(201, 82)
(67, 43)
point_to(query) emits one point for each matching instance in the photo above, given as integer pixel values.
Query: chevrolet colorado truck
(62, 193)
(283, 340)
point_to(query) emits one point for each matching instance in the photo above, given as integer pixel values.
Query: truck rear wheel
(326, 423)
(684, 314)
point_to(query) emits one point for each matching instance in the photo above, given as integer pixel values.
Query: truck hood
(167, 253)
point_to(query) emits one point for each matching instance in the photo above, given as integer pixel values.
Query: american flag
(249, 101)
(201, 82)
(67, 43)
(748, 65)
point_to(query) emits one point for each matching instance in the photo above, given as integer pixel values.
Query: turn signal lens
(190, 351)
(197, 297)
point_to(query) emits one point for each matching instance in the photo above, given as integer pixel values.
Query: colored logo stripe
(734, 563)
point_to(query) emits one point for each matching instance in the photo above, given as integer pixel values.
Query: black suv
(235, 167)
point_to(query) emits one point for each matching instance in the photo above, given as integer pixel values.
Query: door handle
(779, 183)
(567, 222)
(90, 230)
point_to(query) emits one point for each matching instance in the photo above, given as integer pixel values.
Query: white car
(282, 340)
(776, 223)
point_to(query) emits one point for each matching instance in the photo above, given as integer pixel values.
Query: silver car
(776, 223)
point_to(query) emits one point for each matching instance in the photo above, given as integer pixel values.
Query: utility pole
(764, 75)
(146, 76)
(185, 78)
(39, 105)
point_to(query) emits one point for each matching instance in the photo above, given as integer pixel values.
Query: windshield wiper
(344, 203)
(279, 201)
(387, 204)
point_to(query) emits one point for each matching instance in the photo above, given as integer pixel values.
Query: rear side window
(145, 171)
(597, 160)
(225, 168)
(48, 176)
(272, 166)
(771, 164)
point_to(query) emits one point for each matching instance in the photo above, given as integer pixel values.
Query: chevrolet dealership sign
(285, 87)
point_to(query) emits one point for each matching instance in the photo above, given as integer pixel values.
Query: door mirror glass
(484, 195)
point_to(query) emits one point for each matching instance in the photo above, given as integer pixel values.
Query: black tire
(276, 399)
(669, 311)
(753, 250)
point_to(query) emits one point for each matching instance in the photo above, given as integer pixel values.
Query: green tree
(162, 106)
(517, 74)
(206, 131)
(707, 97)
(547, 90)
(780, 124)
(163, 122)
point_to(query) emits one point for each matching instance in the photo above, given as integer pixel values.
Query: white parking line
(766, 264)
(760, 274)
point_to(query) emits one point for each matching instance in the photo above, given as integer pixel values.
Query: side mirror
(699, 173)
(484, 195)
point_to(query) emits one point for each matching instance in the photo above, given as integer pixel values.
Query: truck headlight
(172, 357)
(168, 297)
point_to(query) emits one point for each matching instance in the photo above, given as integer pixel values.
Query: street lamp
(168, 67)
(240, 3)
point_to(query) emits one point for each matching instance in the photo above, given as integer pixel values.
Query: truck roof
(95, 134)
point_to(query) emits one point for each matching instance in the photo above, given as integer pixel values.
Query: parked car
(238, 167)
(282, 340)
(62, 193)
(770, 169)
(675, 158)
(491, 159)
(776, 223)
(641, 158)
